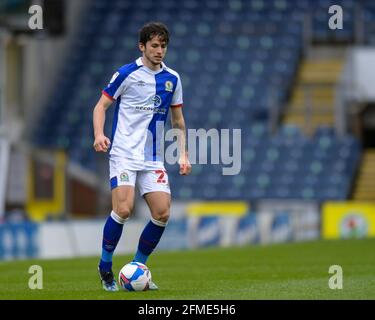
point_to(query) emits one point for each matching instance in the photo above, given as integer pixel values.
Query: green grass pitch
(279, 271)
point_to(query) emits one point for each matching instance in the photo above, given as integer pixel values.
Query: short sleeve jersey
(143, 98)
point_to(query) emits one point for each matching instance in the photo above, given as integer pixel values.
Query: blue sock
(149, 239)
(111, 236)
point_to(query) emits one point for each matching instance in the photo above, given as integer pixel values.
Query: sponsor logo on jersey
(155, 101)
(153, 109)
(160, 110)
(145, 108)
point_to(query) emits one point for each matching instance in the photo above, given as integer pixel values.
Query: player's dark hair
(152, 29)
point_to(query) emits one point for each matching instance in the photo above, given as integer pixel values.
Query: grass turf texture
(280, 271)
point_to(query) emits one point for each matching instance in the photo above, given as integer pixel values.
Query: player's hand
(185, 166)
(101, 143)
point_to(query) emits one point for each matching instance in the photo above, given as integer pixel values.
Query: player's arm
(101, 142)
(178, 122)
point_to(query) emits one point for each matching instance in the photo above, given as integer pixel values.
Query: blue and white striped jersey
(143, 98)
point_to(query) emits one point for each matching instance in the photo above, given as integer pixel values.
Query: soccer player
(144, 91)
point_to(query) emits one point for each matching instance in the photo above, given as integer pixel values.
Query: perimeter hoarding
(345, 220)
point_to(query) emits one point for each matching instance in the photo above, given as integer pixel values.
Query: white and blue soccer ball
(135, 276)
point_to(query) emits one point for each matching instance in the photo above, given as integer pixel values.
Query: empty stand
(238, 61)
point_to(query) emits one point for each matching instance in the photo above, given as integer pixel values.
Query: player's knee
(123, 211)
(162, 216)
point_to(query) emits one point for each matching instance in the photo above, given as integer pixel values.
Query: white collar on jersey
(139, 62)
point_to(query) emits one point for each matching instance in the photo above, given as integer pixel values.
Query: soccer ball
(134, 276)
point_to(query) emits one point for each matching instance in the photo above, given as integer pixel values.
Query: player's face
(154, 51)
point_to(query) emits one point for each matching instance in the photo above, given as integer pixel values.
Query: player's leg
(122, 184)
(154, 187)
(159, 204)
(122, 206)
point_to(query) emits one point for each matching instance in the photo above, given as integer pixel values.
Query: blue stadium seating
(237, 60)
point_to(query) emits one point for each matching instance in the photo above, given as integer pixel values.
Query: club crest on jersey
(168, 86)
(124, 177)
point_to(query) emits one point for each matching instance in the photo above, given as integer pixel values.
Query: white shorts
(145, 180)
